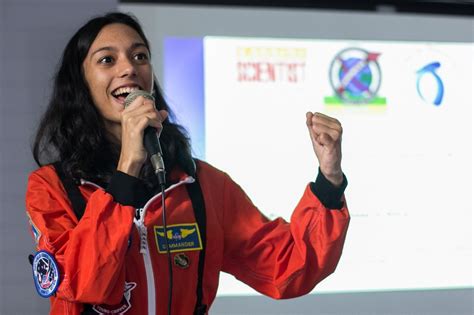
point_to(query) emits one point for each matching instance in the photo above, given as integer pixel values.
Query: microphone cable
(153, 147)
(170, 265)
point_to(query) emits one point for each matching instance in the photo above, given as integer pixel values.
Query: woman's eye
(106, 59)
(141, 56)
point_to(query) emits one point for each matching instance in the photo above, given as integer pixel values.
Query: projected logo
(355, 78)
(429, 84)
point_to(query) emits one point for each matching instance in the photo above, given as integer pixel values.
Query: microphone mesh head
(132, 96)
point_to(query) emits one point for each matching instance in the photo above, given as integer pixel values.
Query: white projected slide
(406, 110)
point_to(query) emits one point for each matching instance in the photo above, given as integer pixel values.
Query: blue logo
(45, 274)
(355, 78)
(430, 70)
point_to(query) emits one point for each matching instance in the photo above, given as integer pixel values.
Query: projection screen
(241, 80)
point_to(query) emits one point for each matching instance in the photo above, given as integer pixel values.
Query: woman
(114, 259)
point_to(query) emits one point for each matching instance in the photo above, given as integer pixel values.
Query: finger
(326, 140)
(137, 102)
(326, 117)
(163, 114)
(319, 118)
(334, 129)
(140, 105)
(320, 129)
(143, 109)
(309, 124)
(154, 120)
(142, 117)
(157, 118)
(309, 119)
(134, 126)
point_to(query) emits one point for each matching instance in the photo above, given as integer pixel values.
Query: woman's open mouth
(122, 92)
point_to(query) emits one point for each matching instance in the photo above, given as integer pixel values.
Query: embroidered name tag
(181, 238)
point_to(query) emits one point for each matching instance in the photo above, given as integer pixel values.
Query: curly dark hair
(72, 130)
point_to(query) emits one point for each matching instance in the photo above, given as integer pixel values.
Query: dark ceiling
(443, 7)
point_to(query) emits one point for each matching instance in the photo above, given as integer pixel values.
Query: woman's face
(117, 63)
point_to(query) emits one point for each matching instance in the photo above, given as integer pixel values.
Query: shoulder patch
(45, 274)
(35, 232)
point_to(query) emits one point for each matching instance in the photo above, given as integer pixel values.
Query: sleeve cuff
(128, 190)
(329, 195)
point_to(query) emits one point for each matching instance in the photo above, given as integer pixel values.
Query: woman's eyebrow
(110, 48)
(136, 45)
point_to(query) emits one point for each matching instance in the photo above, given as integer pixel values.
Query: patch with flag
(181, 238)
(34, 230)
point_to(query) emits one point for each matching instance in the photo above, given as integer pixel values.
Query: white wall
(32, 36)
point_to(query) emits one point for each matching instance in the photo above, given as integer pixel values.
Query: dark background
(444, 7)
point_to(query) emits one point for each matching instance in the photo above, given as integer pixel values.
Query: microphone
(151, 139)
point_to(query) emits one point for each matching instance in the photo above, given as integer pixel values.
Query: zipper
(144, 248)
(142, 231)
(150, 281)
(139, 222)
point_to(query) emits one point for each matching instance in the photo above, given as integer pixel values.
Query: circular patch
(45, 274)
(181, 260)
